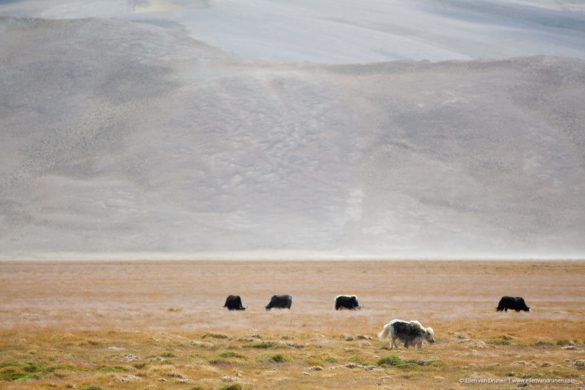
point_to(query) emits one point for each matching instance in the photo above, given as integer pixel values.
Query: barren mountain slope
(126, 137)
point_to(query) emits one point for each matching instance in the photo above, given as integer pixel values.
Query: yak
(280, 302)
(234, 302)
(411, 333)
(512, 303)
(346, 302)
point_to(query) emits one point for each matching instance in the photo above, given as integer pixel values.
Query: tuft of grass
(168, 355)
(231, 354)
(330, 360)
(279, 358)
(359, 360)
(390, 360)
(395, 361)
(139, 366)
(313, 361)
(261, 345)
(233, 386)
(60, 367)
(502, 340)
(12, 374)
(214, 336)
(9, 363)
(111, 369)
(544, 343)
(14, 371)
(91, 387)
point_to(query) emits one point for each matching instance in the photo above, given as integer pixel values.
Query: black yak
(280, 302)
(234, 302)
(512, 303)
(346, 302)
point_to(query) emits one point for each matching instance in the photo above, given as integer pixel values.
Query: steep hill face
(124, 138)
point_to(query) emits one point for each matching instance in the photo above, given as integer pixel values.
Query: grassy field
(137, 325)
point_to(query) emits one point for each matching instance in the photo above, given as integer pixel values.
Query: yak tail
(384, 333)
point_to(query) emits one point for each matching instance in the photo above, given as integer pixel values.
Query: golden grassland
(137, 325)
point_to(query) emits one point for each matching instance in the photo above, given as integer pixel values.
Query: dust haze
(191, 129)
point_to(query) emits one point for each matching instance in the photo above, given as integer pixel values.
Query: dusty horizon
(253, 257)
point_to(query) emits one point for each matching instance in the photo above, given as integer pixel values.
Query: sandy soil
(62, 305)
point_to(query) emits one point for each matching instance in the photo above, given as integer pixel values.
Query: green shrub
(395, 361)
(12, 374)
(390, 360)
(261, 345)
(231, 354)
(13, 371)
(279, 358)
(234, 386)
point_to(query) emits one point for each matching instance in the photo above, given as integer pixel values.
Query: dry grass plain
(161, 325)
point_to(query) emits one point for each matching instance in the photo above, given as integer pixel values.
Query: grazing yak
(280, 302)
(512, 303)
(346, 302)
(234, 302)
(412, 333)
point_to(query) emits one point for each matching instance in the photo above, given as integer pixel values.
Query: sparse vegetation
(395, 361)
(279, 358)
(214, 336)
(544, 343)
(111, 369)
(14, 371)
(231, 354)
(502, 340)
(261, 345)
(212, 357)
(233, 386)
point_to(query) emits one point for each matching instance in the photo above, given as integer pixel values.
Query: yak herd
(410, 333)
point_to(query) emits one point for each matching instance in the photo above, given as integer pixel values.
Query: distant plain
(147, 324)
